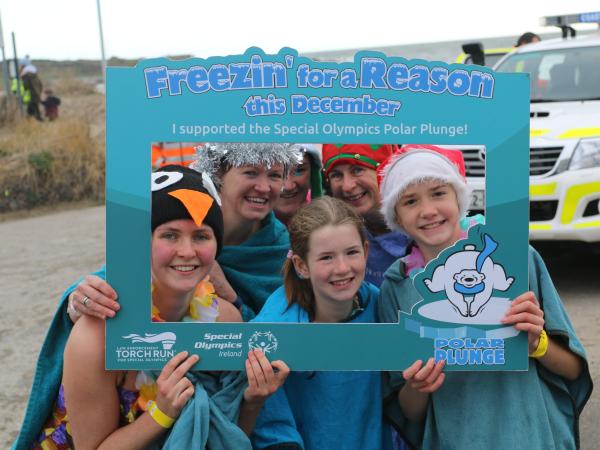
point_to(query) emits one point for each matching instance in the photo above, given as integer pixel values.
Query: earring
(299, 275)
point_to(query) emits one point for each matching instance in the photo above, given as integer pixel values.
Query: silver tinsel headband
(214, 156)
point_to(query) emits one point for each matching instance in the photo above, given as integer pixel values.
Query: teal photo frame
(258, 97)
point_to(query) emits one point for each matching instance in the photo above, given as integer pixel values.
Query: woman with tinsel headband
(249, 178)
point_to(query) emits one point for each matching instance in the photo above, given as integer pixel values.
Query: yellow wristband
(159, 417)
(542, 347)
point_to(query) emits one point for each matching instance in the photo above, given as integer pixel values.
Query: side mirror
(475, 49)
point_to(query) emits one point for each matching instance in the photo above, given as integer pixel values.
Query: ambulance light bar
(569, 19)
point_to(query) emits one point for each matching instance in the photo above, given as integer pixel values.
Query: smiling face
(294, 191)
(335, 264)
(428, 212)
(249, 193)
(469, 278)
(356, 185)
(182, 255)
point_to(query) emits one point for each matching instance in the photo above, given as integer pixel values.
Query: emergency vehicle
(564, 133)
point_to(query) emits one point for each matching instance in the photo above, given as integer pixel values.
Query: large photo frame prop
(256, 97)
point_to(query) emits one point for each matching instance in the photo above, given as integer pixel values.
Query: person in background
(32, 83)
(302, 183)
(350, 171)
(527, 38)
(24, 94)
(51, 104)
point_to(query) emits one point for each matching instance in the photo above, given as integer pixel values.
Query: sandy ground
(40, 256)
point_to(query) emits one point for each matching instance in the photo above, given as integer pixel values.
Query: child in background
(51, 104)
(426, 196)
(324, 282)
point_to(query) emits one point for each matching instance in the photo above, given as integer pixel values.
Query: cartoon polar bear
(469, 277)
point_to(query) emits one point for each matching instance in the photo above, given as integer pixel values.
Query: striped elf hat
(367, 155)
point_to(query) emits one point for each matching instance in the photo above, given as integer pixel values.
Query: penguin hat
(179, 192)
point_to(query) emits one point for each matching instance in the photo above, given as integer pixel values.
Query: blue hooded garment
(323, 410)
(536, 409)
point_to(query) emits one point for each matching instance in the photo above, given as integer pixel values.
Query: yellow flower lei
(204, 297)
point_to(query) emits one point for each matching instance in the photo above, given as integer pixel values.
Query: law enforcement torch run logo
(264, 341)
(167, 339)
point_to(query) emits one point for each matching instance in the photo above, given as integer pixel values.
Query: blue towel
(253, 268)
(210, 417)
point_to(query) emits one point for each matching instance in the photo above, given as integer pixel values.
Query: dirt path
(41, 256)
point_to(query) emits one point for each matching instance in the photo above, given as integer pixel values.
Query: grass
(47, 163)
(72, 86)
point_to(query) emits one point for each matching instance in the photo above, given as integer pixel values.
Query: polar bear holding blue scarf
(469, 277)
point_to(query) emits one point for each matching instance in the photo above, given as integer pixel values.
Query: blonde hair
(317, 214)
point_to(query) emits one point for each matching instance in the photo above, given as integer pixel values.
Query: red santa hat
(416, 163)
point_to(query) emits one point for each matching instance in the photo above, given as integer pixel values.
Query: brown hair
(319, 213)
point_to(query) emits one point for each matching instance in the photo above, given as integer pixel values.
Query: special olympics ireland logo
(264, 341)
(167, 339)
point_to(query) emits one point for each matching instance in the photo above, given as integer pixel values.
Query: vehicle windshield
(568, 74)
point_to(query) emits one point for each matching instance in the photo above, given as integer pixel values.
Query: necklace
(356, 309)
(203, 307)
